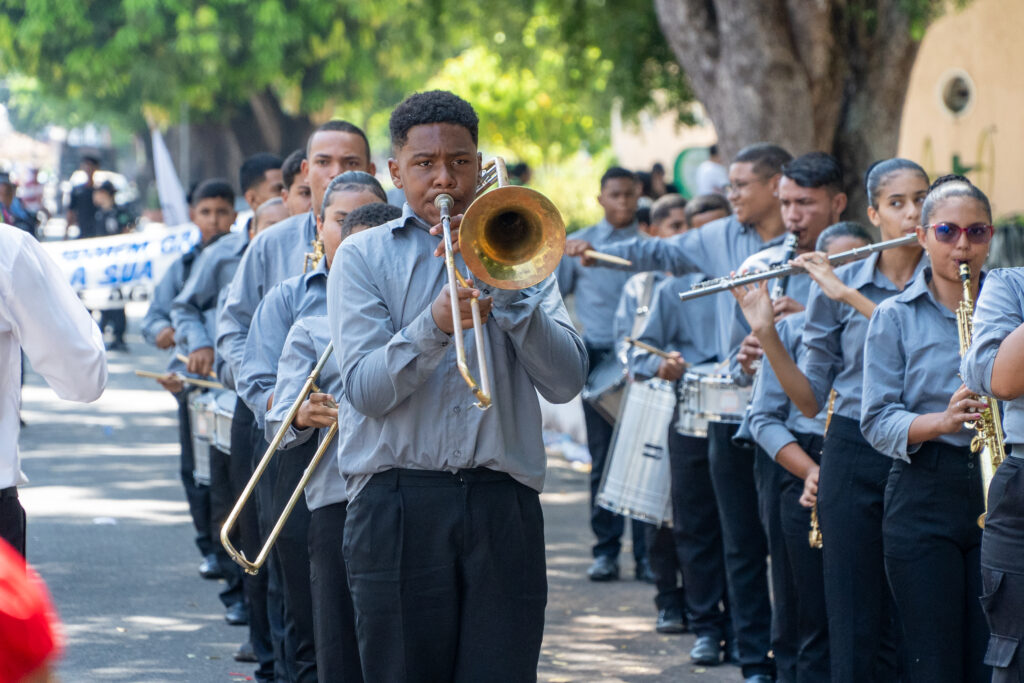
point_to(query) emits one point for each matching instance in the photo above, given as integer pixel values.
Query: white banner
(107, 272)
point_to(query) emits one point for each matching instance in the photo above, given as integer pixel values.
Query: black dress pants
(1002, 573)
(698, 535)
(805, 566)
(241, 467)
(334, 618)
(862, 623)
(291, 552)
(769, 478)
(197, 495)
(12, 519)
(118, 321)
(746, 548)
(933, 561)
(448, 579)
(606, 525)
(222, 499)
(664, 560)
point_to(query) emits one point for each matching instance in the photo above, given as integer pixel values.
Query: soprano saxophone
(814, 538)
(989, 438)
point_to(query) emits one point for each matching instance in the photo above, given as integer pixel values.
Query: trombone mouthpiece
(444, 201)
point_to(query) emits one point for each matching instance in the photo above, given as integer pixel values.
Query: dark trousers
(745, 545)
(933, 560)
(334, 618)
(12, 519)
(291, 552)
(664, 559)
(197, 495)
(115, 317)
(222, 499)
(698, 535)
(448, 579)
(240, 467)
(862, 632)
(1002, 575)
(785, 635)
(807, 573)
(606, 525)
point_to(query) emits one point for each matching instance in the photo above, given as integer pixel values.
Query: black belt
(433, 478)
(9, 492)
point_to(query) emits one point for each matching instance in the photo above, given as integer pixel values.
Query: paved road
(110, 533)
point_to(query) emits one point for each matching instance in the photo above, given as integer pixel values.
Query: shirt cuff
(425, 335)
(773, 438)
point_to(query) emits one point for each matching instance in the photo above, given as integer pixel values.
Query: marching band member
(444, 531)
(852, 473)
(914, 410)
(286, 302)
(597, 292)
(296, 193)
(793, 442)
(992, 368)
(337, 653)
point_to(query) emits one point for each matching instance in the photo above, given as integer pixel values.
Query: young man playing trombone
(444, 538)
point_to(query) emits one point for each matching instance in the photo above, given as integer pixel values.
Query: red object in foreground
(28, 623)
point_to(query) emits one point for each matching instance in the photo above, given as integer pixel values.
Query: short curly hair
(434, 106)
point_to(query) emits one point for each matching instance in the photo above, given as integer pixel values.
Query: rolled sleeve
(769, 411)
(885, 420)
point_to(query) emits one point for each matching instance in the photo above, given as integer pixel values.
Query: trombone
(253, 566)
(511, 238)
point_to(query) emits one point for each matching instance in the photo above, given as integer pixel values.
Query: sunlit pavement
(110, 533)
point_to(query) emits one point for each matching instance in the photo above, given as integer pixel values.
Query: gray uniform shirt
(910, 368)
(305, 343)
(633, 309)
(291, 300)
(999, 311)
(836, 333)
(773, 418)
(158, 315)
(277, 253)
(399, 368)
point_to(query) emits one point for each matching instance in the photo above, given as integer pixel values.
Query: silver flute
(723, 284)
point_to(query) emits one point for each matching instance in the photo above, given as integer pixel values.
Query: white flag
(168, 186)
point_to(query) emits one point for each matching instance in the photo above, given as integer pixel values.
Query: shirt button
(444, 343)
(970, 465)
(457, 410)
(457, 453)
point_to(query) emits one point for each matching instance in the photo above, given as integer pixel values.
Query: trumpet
(253, 566)
(723, 284)
(511, 238)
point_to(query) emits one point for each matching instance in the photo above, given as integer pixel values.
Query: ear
(304, 169)
(284, 194)
(922, 237)
(250, 197)
(773, 184)
(319, 225)
(396, 175)
(372, 168)
(873, 216)
(838, 205)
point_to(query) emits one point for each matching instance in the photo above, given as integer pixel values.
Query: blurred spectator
(706, 208)
(520, 173)
(659, 186)
(30, 192)
(643, 221)
(643, 179)
(12, 210)
(111, 219)
(712, 176)
(81, 208)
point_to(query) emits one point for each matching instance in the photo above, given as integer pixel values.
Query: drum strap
(643, 304)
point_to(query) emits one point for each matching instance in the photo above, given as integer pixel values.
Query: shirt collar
(918, 287)
(319, 272)
(868, 272)
(604, 229)
(408, 219)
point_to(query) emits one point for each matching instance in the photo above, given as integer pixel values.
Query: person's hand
(441, 309)
(439, 231)
(816, 265)
(749, 355)
(171, 382)
(963, 407)
(784, 306)
(319, 411)
(810, 494)
(200, 361)
(673, 367)
(574, 248)
(165, 338)
(756, 305)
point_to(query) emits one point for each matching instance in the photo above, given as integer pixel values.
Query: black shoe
(117, 346)
(245, 653)
(643, 572)
(237, 615)
(604, 568)
(209, 568)
(706, 651)
(670, 620)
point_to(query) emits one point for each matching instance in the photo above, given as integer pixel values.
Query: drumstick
(188, 380)
(607, 258)
(184, 359)
(647, 347)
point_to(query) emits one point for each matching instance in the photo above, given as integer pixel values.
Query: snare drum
(637, 482)
(688, 418)
(202, 419)
(223, 413)
(710, 396)
(605, 385)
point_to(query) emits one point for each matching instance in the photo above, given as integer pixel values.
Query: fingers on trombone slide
(438, 231)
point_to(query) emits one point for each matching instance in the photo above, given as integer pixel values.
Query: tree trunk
(805, 75)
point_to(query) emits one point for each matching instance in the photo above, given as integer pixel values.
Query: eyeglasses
(949, 233)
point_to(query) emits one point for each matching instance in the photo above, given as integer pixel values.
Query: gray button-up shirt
(306, 342)
(276, 254)
(597, 289)
(193, 311)
(910, 368)
(773, 419)
(291, 300)
(835, 335)
(673, 325)
(999, 311)
(158, 315)
(399, 368)
(633, 309)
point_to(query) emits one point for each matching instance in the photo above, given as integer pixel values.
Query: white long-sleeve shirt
(40, 314)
